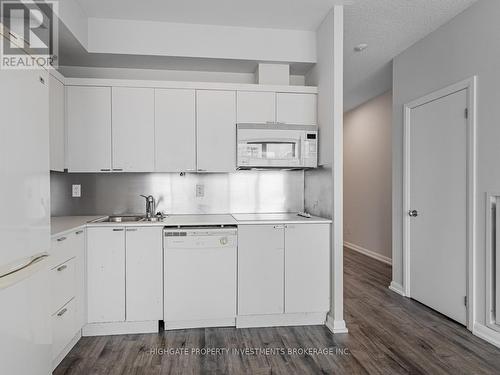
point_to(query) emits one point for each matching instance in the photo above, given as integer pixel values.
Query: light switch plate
(76, 191)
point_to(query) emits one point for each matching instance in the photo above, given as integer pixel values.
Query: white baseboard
(487, 334)
(66, 350)
(280, 320)
(120, 328)
(369, 253)
(204, 323)
(397, 288)
(335, 326)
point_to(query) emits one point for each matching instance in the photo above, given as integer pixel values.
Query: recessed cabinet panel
(307, 268)
(89, 128)
(106, 274)
(256, 107)
(296, 109)
(133, 130)
(260, 269)
(144, 274)
(175, 130)
(216, 130)
(56, 124)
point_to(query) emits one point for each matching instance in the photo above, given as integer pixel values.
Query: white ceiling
(276, 14)
(388, 26)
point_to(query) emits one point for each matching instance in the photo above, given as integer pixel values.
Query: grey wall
(318, 192)
(368, 176)
(241, 192)
(466, 46)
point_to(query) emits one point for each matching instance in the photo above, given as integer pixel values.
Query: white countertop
(203, 219)
(63, 224)
(277, 218)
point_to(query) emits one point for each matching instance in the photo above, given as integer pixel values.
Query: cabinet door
(175, 130)
(133, 129)
(296, 109)
(89, 128)
(307, 268)
(144, 274)
(216, 130)
(56, 124)
(256, 107)
(106, 274)
(260, 269)
(80, 297)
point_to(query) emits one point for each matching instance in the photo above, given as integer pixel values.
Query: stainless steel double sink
(124, 219)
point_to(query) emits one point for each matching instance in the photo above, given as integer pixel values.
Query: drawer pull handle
(62, 268)
(62, 312)
(131, 229)
(79, 232)
(61, 239)
(118, 230)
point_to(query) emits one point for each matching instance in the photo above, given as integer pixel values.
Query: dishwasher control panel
(200, 237)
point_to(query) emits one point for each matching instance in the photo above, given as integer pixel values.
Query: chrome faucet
(150, 206)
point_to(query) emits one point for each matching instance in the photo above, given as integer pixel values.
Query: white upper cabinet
(175, 130)
(56, 124)
(89, 128)
(296, 109)
(256, 107)
(133, 129)
(216, 130)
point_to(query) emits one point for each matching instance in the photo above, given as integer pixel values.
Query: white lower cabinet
(307, 268)
(261, 253)
(284, 272)
(67, 284)
(106, 274)
(63, 283)
(124, 274)
(63, 328)
(144, 274)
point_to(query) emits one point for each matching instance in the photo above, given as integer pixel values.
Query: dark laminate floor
(388, 334)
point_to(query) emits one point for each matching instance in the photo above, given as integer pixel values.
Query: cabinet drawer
(62, 282)
(65, 247)
(63, 328)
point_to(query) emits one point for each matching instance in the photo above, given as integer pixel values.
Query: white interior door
(438, 194)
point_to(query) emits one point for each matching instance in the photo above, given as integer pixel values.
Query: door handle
(413, 213)
(62, 312)
(62, 268)
(118, 230)
(61, 239)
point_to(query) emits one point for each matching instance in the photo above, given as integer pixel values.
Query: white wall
(323, 187)
(466, 46)
(368, 177)
(165, 75)
(203, 41)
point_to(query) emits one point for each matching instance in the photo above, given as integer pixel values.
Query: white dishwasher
(200, 276)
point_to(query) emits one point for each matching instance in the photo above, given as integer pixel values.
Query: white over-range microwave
(277, 146)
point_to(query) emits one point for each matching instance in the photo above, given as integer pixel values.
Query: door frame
(470, 85)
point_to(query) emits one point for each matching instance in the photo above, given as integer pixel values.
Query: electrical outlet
(76, 191)
(200, 191)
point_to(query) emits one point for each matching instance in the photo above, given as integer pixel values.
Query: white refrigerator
(25, 332)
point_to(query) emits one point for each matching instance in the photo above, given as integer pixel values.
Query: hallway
(388, 334)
